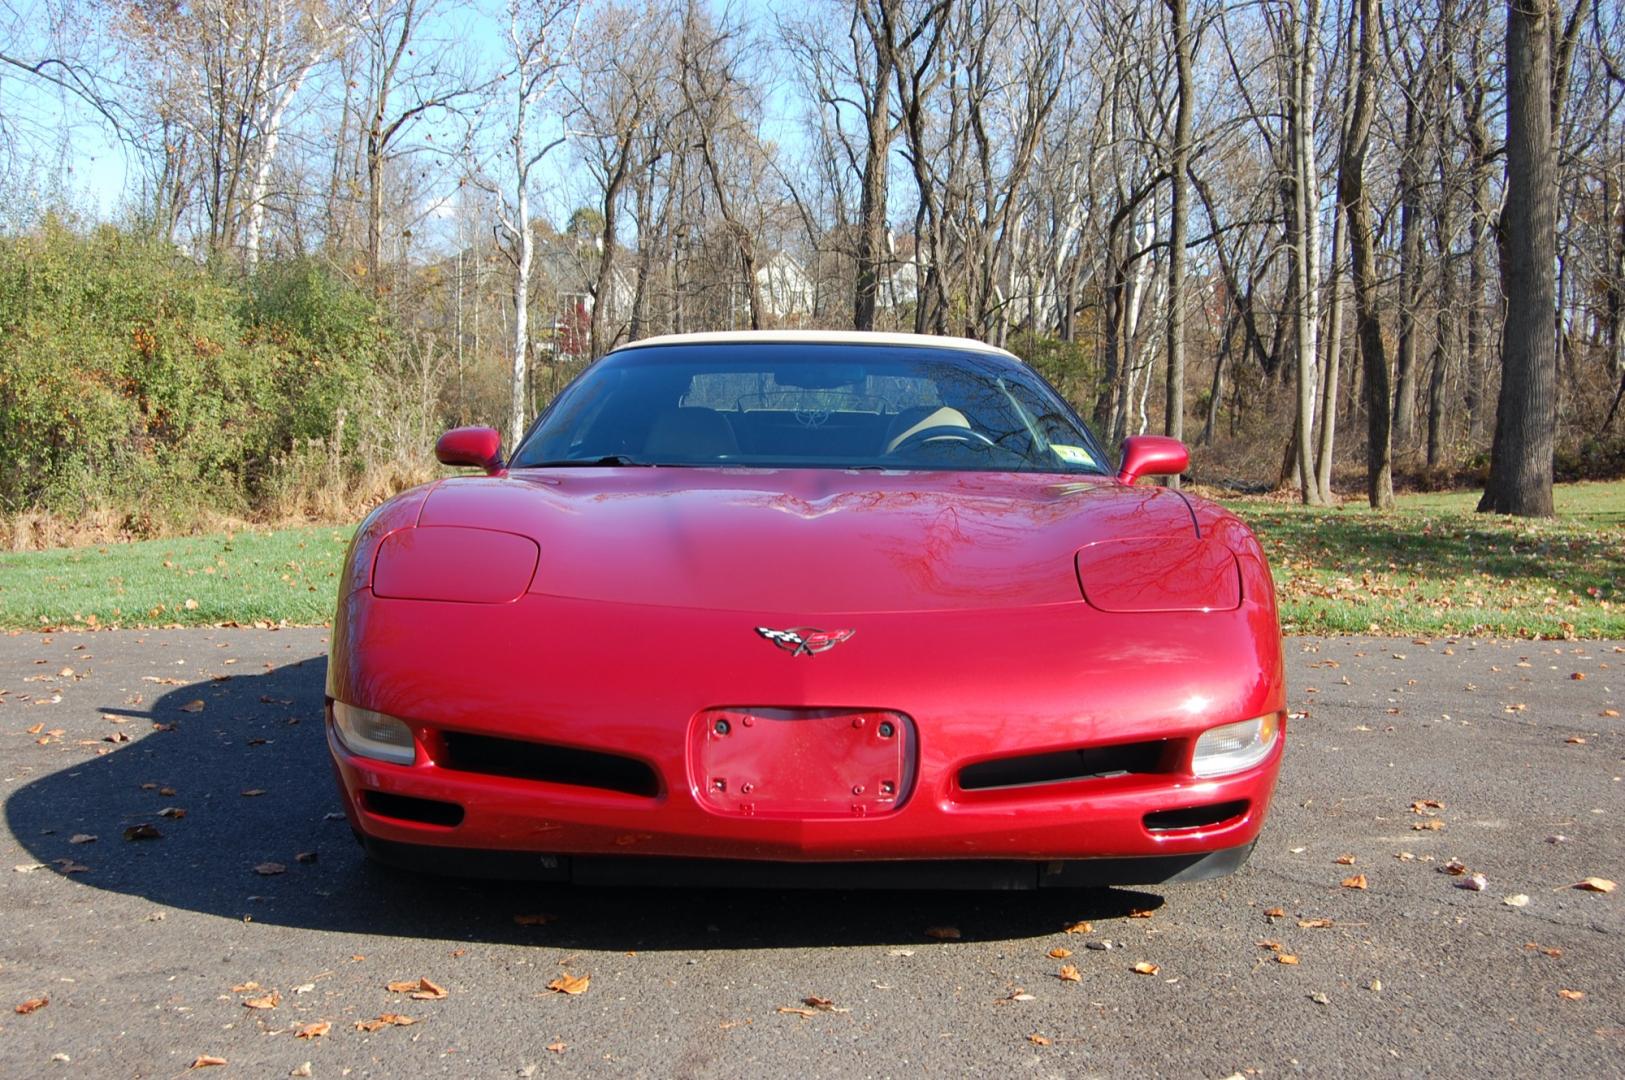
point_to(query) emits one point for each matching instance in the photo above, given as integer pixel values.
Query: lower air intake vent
(554, 764)
(408, 808)
(1090, 763)
(1195, 817)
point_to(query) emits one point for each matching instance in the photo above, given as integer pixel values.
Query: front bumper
(998, 874)
(627, 680)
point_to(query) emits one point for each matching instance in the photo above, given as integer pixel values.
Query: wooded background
(1322, 241)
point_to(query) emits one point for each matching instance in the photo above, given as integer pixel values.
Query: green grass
(1430, 567)
(1433, 566)
(246, 577)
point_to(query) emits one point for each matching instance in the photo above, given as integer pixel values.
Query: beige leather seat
(918, 419)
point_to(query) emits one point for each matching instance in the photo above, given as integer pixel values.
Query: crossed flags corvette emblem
(804, 640)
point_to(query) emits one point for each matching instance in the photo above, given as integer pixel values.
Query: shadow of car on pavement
(250, 770)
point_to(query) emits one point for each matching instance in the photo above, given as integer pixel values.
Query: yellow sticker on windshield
(1072, 455)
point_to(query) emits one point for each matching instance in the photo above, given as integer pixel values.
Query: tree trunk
(1368, 328)
(1174, 415)
(1410, 272)
(1520, 479)
(521, 318)
(1306, 246)
(1334, 357)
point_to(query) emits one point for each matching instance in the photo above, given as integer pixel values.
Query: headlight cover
(1233, 748)
(373, 735)
(454, 563)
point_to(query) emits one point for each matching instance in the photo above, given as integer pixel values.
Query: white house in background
(787, 291)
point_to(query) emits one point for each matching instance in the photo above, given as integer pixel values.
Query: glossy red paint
(962, 592)
(479, 566)
(477, 446)
(1152, 455)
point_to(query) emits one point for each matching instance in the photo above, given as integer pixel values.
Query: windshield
(811, 406)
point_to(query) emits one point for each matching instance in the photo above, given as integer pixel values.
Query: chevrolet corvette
(801, 608)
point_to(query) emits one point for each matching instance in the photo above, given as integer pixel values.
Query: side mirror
(1152, 455)
(477, 446)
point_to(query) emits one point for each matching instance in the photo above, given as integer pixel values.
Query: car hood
(806, 541)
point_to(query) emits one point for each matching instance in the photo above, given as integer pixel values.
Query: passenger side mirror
(477, 446)
(1152, 455)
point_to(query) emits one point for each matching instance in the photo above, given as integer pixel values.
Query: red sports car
(783, 608)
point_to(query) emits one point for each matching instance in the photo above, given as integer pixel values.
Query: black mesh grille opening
(522, 760)
(1089, 763)
(1195, 817)
(408, 808)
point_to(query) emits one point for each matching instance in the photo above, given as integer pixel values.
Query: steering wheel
(941, 431)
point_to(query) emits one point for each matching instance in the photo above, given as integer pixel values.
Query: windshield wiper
(616, 460)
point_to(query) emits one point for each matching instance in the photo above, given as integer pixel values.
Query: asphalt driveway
(239, 923)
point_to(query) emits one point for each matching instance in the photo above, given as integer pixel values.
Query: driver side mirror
(477, 446)
(1152, 455)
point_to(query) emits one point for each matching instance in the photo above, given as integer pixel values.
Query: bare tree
(540, 40)
(1362, 246)
(1520, 479)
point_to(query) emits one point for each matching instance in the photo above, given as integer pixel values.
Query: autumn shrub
(132, 378)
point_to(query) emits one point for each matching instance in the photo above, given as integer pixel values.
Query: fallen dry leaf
(1080, 927)
(1356, 882)
(1345, 860)
(68, 866)
(1595, 884)
(943, 933)
(1144, 968)
(193, 706)
(267, 869)
(1039, 1040)
(1286, 958)
(1516, 900)
(31, 1005)
(556, 1047)
(1059, 953)
(82, 838)
(173, 812)
(1069, 973)
(796, 1010)
(384, 1020)
(1314, 924)
(268, 1001)
(427, 991)
(1142, 913)
(37, 728)
(823, 1004)
(1430, 825)
(1267, 943)
(252, 792)
(1422, 806)
(313, 1031)
(571, 984)
(243, 988)
(1572, 995)
(203, 1061)
(142, 831)
(1575, 740)
(534, 920)
(1274, 912)
(1474, 882)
